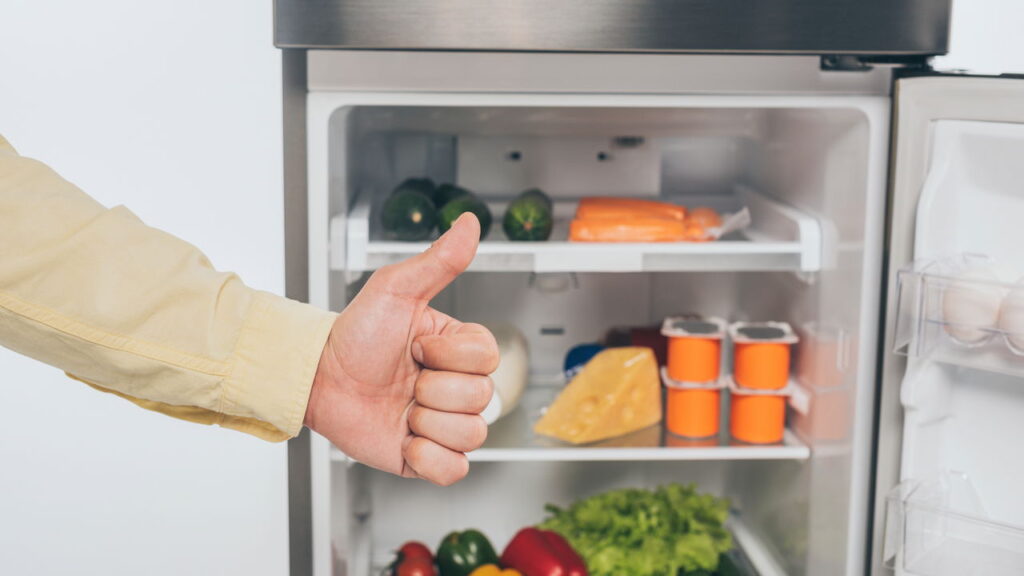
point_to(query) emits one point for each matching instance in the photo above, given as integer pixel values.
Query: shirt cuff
(275, 361)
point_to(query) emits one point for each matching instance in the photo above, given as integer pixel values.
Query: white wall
(173, 109)
(986, 37)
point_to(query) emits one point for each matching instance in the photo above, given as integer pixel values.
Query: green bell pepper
(462, 552)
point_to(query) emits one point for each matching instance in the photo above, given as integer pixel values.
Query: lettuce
(668, 531)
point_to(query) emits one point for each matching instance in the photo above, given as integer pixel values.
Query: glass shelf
(511, 439)
(779, 238)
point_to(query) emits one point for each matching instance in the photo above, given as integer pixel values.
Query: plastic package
(825, 355)
(641, 220)
(650, 337)
(757, 416)
(825, 415)
(761, 354)
(601, 207)
(692, 410)
(694, 348)
(578, 356)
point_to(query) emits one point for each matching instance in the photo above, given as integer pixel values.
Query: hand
(400, 386)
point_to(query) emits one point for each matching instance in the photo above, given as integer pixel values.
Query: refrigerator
(883, 199)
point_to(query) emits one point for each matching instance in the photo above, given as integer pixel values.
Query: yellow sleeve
(134, 311)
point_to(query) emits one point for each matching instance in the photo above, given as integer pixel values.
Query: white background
(173, 109)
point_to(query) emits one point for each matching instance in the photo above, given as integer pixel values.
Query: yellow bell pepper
(494, 570)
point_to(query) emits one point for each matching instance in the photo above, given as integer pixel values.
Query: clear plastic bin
(958, 311)
(940, 528)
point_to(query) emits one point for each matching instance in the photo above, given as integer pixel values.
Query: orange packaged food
(694, 348)
(757, 416)
(691, 410)
(623, 208)
(761, 353)
(825, 414)
(632, 229)
(704, 217)
(697, 233)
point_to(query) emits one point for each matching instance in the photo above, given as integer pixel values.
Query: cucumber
(409, 215)
(424, 185)
(467, 202)
(447, 192)
(529, 217)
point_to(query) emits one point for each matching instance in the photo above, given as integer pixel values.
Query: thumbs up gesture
(400, 386)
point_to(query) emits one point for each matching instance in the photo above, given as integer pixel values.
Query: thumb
(424, 276)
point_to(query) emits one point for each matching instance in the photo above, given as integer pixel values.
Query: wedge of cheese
(616, 393)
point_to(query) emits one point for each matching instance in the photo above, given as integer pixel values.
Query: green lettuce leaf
(670, 530)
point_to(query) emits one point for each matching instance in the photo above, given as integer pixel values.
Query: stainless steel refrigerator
(884, 200)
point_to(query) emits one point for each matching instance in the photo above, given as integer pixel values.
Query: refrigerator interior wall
(961, 312)
(821, 160)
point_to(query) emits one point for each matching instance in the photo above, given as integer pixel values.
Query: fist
(400, 386)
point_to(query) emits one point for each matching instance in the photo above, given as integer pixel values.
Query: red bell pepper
(542, 553)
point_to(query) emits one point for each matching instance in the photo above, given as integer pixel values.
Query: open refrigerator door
(954, 370)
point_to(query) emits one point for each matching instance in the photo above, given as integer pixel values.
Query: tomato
(414, 549)
(416, 567)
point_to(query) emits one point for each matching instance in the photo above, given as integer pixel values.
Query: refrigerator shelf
(511, 439)
(779, 238)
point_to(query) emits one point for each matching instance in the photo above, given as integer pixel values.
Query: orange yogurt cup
(692, 410)
(757, 416)
(694, 349)
(761, 354)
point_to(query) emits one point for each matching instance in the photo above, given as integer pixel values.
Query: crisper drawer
(382, 512)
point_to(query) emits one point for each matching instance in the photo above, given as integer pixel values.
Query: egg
(1011, 318)
(970, 305)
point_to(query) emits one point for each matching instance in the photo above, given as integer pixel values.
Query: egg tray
(960, 313)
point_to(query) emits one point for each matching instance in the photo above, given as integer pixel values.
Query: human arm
(136, 312)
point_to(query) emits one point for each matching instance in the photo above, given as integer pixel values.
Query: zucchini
(409, 215)
(529, 217)
(467, 202)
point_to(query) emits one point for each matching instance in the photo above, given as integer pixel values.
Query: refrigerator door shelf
(779, 238)
(511, 439)
(948, 312)
(940, 528)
